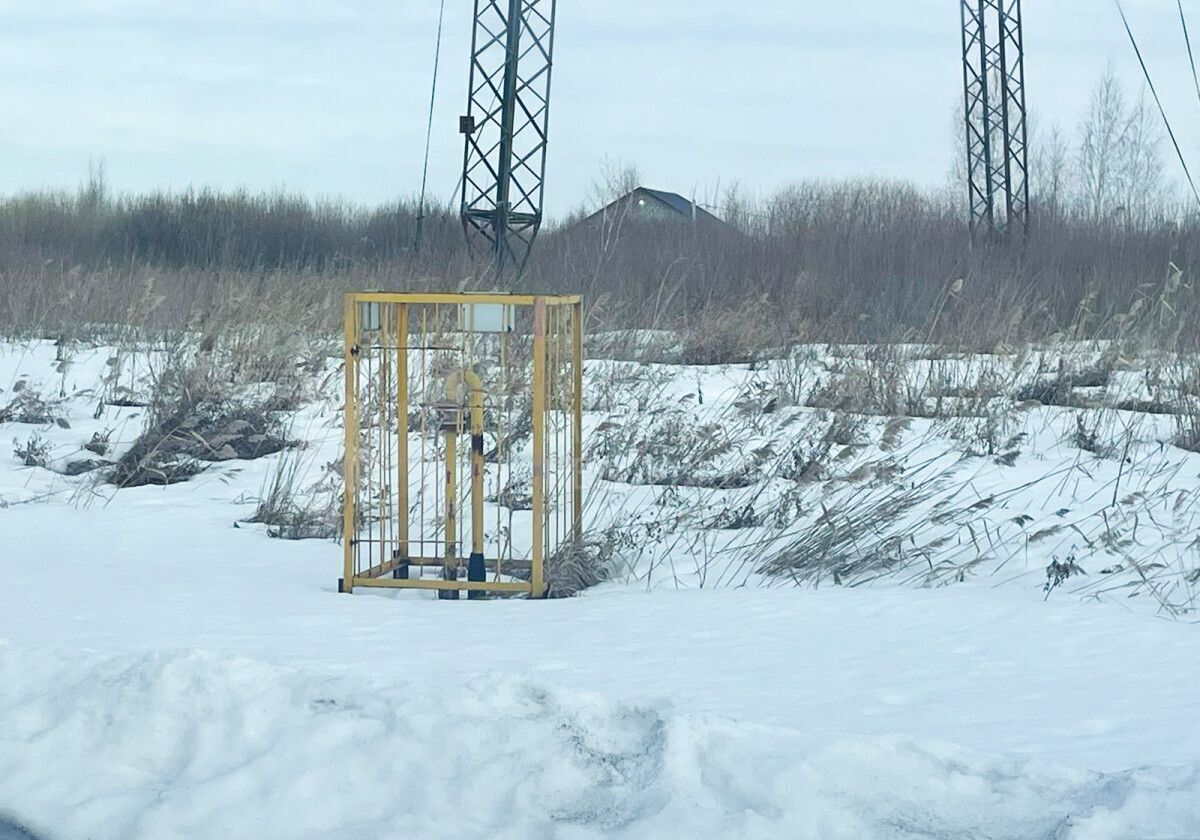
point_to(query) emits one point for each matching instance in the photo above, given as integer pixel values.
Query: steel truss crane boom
(506, 129)
(996, 126)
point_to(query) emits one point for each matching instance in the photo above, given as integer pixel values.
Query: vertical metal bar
(454, 362)
(577, 420)
(403, 551)
(538, 588)
(562, 466)
(503, 413)
(558, 417)
(476, 570)
(468, 140)
(450, 558)
(986, 132)
(1019, 95)
(350, 457)
(477, 468)
(382, 426)
(552, 429)
(508, 112)
(423, 390)
(968, 109)
(438, 358)
(541, 186)
(1006, 126)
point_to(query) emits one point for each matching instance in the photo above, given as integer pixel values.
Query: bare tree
(1140, 161)
(1050, 170)
(615, 179)
(1098, 157)
(1119, 160)
(737, 208)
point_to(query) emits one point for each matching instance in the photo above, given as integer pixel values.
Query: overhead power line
(1191, 56)
(1157, 100)
(437, 56)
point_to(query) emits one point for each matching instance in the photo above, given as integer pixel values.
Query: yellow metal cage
(463, 457)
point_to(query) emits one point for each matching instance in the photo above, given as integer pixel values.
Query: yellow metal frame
(555, 344)
(452, 298)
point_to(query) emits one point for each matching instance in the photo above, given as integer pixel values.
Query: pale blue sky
(329, 97)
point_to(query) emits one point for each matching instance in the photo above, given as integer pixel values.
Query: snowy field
(168, 670)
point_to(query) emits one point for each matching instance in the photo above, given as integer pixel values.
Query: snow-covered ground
(168, 671)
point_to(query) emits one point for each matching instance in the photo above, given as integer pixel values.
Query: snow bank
(196, 745)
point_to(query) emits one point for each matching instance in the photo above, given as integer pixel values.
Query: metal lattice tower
(996, 124)
(508, 110)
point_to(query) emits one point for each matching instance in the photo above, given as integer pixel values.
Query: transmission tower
(997, 129)
(508, 110)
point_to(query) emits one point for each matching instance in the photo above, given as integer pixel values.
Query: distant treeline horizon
(837, 260)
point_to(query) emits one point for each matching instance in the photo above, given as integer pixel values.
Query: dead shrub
(1187, 430)
(578, 565)
(34, 452)
(293, 512)
(197, 418)
(30, 408)
(881, 382)
(1070, 375)
(723, 335)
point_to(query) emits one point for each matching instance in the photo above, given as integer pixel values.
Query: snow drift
(194, 745)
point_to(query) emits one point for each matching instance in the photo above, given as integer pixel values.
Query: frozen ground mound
(195, 745)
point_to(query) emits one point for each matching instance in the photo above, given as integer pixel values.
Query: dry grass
(578, 565)
(295, 510)
(859, 261)
(206, 405)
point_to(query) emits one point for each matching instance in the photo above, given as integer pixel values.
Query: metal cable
(437, 57)
(1191, 56)
(1158, 101)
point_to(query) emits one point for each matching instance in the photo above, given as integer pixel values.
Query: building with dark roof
(646, 205)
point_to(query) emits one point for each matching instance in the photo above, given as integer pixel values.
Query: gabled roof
(672, 201)
(679, 204)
